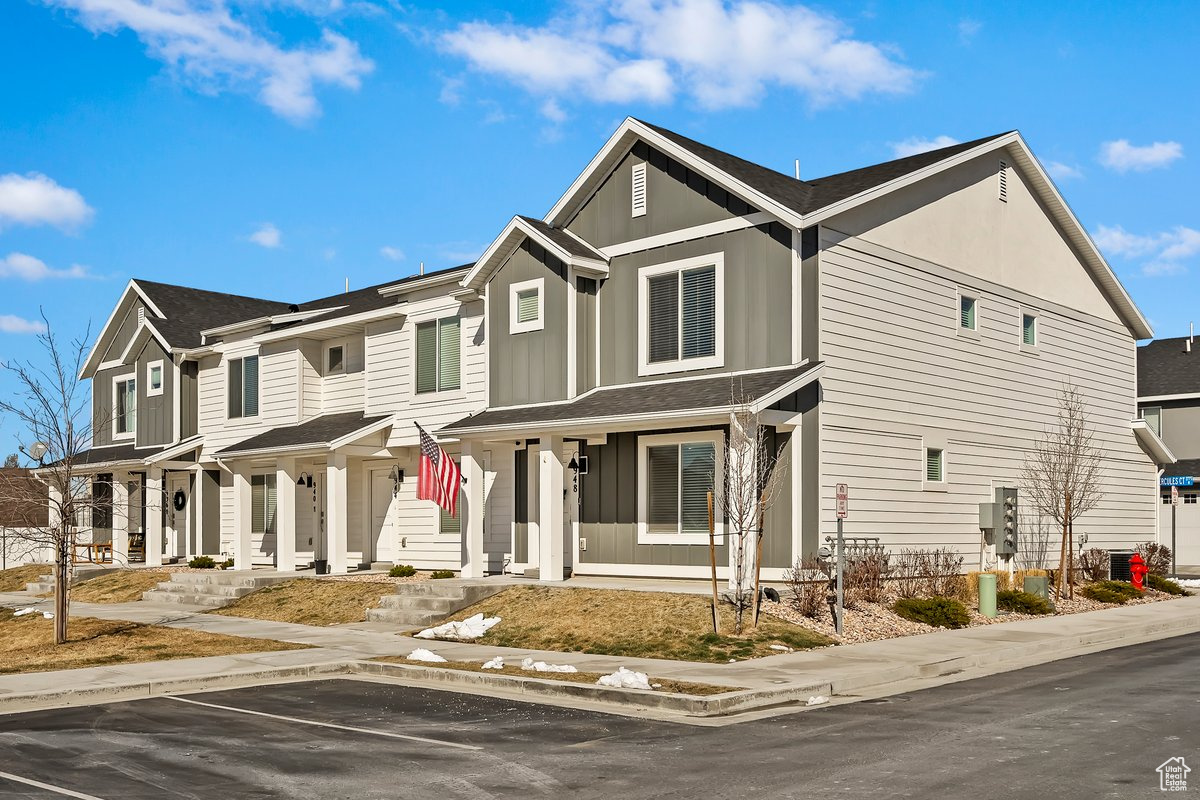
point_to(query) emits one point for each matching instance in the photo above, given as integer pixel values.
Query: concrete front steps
(211, 589)
(418, 605)
(45, 583)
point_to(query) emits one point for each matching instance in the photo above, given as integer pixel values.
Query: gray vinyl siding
(899, 378)
(676, 198)
(120, 337)
(758, 302)
(585, 335)
(1180, 426)
(189, 419)
(608, 512)
(528, 367)
(102, 405)
(155, 415)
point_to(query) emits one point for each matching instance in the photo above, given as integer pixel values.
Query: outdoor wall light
(304, 480)
(397, 476)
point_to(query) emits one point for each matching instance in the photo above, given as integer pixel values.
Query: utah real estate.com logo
(1172, 775)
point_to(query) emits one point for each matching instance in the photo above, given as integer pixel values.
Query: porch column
(120, 518)
(550, 509)
(335, 513)
(285, 514)
(153, 492)
(473, 564)
(243, 511)
(191, 545)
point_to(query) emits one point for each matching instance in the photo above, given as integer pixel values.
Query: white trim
(327, 347)
(227, 362)
(411, 285)
(129, 287)
(938, 485)
(130, 434)
(273, 319)
(797, 299)
(687, 234)
(365, 430)
(170, 453)
(1142, 415)
(572, 335)
(1152, 442)
(644, 536)
(1022, 313)
(638, 204)
(717, 359)
(959, 296)
(162, 378)
(510, 239)
(438, 395)
(302, 331)
(1166, 398)
(514, 291)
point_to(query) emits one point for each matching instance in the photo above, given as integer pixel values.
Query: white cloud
(914, 145)
(1165, 253)
(26, 267)
(391, 253)
(721, 53)
(1062, 172)
(34, 199)
(267, 236)
(1122, 156)
(11, 324)
(968, 29)
(207, 46)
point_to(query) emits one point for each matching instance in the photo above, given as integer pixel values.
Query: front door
(380, 539)
(176, 530)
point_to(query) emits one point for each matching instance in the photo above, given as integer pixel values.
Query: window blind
(699, 312)
(933, 465)
(696, 481)
(662, 468)
(449, 345)
(1029, 329)
(447, 523)
(235, 388)
(258, 503)
(527, 305)
(967, 318)
(250, 386)
(427, 357)
(664, 317)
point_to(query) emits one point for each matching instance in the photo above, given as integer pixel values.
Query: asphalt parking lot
(1094, 726)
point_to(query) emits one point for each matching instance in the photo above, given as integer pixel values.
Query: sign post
(1174, 506)
(843, 507)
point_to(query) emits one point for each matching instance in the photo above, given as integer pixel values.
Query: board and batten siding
(900, 377)
(155, 414)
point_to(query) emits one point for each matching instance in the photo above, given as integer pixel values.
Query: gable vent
(1003, 178)
(141, 315)
(639, 189)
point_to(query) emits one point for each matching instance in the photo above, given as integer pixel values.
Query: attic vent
(639, 190)
(1003, 178)
(141, 315)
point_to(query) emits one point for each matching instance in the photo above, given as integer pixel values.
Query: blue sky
(278, 148)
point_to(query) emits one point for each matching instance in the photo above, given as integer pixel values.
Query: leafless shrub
(929, 573)
(865, 576)
(808, 581)
(908, 572)
(1093, 563)
(1157, 557)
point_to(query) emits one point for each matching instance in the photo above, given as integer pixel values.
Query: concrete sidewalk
(846, 671)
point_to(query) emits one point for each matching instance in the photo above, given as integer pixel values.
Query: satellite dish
(37, 450)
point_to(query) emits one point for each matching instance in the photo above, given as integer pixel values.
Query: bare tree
(51, 407)
(1062, 474)
(11, 461)
(752, 477)
(1036, 536)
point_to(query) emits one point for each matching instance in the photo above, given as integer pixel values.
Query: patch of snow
(1189, 583)
(24, 611)
(782, 648)
(467, 630)
(542, 666)
(421, 654)
(495, 663)
(625, 679)
(816, 700)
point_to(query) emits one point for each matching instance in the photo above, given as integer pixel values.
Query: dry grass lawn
(664, 684)
(123, 586)
(14, 579)
(309, 601)
(630, 623)
(97, 642)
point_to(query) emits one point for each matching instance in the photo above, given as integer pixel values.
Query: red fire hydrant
(1138, 571)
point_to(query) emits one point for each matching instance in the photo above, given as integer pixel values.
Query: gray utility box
(998, 521)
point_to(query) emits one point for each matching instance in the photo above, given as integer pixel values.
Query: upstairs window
(154, 378)
(335, 360)
(638, 190)
(243, 387)
(125, 406)
(1153, 417)
(526, 306)
(438, 349)
(1029, 330)
(967, 310)
(681, 324)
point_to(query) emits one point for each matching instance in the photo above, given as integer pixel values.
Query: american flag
(439, 477)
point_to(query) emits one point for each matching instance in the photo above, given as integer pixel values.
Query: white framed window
(935, 465)
(681, 320)
(675, 474)
(154, 378)
(526, 306)
(638, 190)
(968, 312)
(124, 404)
(1153, 417)
(335, 358)
(438, 351)
(263, 503)
(1029, 329)
(1189, 498)
(243, 387)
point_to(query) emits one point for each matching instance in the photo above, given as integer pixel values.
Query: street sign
(1174, 495)
(1177, 480)
(843, 500)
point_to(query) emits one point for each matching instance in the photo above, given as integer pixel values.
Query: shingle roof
(1189, 467)
(807, 196)
(566, 241)
(1164, 366)
(98, 456)
(697, 394)
(317, 432)
(189, 311)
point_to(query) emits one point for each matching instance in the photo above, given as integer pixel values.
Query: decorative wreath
(180, 500)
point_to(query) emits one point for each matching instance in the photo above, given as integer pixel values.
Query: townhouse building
(903, 328)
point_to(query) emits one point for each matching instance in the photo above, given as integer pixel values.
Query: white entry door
(380, 535)
(176, 529)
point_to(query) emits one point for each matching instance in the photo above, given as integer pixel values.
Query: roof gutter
(421, 283)
(1152, 442)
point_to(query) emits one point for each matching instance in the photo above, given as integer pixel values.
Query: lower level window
(262, 504)
(678, 473)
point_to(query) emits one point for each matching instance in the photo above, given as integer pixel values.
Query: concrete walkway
(849, 671)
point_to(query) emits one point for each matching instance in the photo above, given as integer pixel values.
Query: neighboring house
(24, 519)
(903, 328)
(1169, 402)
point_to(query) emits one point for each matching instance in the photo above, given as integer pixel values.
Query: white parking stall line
(48, 787)
(333, 725)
